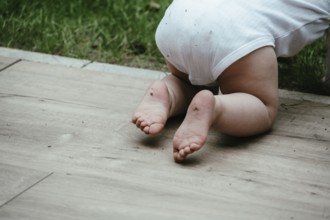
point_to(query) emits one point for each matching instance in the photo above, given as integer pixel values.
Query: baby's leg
(152, 113)
(237, 114)
(193, 131)
(248, 107)
(163, 99)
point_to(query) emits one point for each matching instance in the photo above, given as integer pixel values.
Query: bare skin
(192, 133)
(153, 111)
(248, 105)
(165, 98)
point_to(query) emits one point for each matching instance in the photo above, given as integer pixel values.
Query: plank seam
(25, 190)
(10, 65)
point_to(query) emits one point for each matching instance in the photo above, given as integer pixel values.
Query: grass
(112, 31)
(121, 32)
(305, 71)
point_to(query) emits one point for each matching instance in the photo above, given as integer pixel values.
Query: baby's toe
(138, 121)
(143, 124)
(146, 129)
(195, 147)
(187, 150)
(182, 153)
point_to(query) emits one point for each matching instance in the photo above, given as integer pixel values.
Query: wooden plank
(135, 195)
(71, 85)
(304, 119)
(267, 192)
(75, 123)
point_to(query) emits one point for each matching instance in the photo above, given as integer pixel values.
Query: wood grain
(75, 124)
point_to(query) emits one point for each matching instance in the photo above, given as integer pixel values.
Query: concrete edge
(42, 58)
(128, 71)
(79, 63)
(124, 70)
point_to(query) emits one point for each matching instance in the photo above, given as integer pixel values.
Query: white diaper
(203, 38)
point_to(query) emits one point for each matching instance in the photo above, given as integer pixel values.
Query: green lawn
(112, 31)
(121, 32)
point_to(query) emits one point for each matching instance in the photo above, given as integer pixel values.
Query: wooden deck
(69, 151)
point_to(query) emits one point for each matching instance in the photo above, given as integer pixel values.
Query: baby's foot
(152, 113)
(192, 133)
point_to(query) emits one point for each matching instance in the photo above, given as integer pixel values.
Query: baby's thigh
(250, 76)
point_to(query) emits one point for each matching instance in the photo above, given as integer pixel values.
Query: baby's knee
(272, 115)
(271, 105)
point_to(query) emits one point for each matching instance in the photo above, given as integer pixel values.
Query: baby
(232, 46)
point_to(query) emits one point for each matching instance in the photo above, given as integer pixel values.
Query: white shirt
(203, 37)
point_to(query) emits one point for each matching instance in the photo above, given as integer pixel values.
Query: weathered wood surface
(6, 62)
(68, 151)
